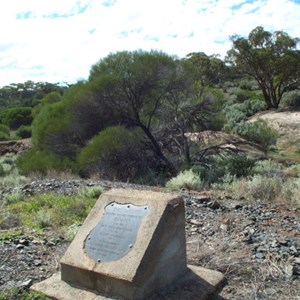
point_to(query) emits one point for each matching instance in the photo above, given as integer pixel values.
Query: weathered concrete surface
(198, 284)
(156, 260)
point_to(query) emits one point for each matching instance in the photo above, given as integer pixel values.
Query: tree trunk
(168, 164)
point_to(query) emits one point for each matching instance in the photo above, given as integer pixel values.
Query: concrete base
(198, 283)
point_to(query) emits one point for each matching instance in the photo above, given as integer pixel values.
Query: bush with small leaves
(41, 162)
(258, 132)
(4, 133)
(265, 188)
(15, 117)
(115, 153)
(23, 132)
(226, 166)
(185, 180)
(291, 100)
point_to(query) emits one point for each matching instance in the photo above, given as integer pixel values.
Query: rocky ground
(256, 246)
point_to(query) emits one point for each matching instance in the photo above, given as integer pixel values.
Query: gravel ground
(256, 246)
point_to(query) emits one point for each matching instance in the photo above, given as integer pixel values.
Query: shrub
(267, 167)
(186, 179)
(15, 117)
(23, 132)
(4, 133)
(227, 165)
(265, 188)
(4, 137)
(291, 100)
(258, 132)
(51, 130)
(115, 153)
(4, 129)
(237, 113)
(14, 197)
(91, 192)
(35, 161)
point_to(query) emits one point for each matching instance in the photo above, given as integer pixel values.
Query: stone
(131, 246)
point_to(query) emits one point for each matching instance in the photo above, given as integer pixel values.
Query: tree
(187, 107)
(271, 58)
(133, 84)
(209, 69)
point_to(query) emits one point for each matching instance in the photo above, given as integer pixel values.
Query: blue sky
(59, 40)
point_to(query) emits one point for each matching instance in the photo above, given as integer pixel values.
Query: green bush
(267, 167)
(115, 153)
(23, 132)
(35, 161)
(258, 132)
(185, 180)
(291, 100)
(4, 137)
(4, 133)
(15, 117)
(2, 171)
(265, 188)
(225, 166)
(14, 197)
(51, 130)
(4, 129)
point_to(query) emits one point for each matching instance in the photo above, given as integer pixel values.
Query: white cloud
(60, 40)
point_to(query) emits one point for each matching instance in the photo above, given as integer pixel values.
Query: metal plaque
(115, 234)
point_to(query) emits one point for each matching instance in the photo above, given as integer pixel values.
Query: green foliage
(4, 137)
(244, 95)
(4, 129)
(185, 180)
(258, 132)
(15, 117)
(115, 153)
(35, 161)
(267, 167)
(4, 132)
(50, 98)
(23, 132)
(91, 192)
(234, 166)
(265, 188)
(291, 100)
(13, 197)
(52, 130)
(272, 59)
(21, 294)
(50, 210)
(9, 234)
(9, 172)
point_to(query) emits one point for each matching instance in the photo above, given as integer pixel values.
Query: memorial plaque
(115, 234)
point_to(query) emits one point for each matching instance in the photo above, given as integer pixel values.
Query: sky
(59, 40)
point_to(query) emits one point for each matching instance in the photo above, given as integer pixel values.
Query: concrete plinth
(155, 261)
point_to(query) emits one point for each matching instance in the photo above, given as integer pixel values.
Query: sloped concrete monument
(131, 246)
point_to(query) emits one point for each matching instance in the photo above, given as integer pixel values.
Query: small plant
(50, 210)
(185, 180)
(23, 132)
(21, 294)
(14, 197)
(267, 167)
(4, 129)
(10, 234)
(91, 192)
(265, 188)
